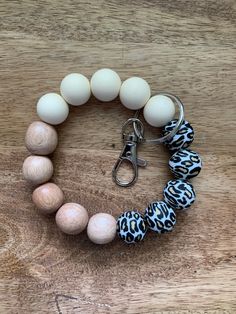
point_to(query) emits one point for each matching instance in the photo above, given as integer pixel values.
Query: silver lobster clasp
(129, 152)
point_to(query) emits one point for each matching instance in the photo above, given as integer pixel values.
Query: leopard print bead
(182, 139)
(185, 164)
(160, 217)
(131, 227)
(179, 194)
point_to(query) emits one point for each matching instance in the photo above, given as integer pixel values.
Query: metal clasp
(129, 152)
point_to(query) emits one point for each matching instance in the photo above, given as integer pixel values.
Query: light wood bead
(101, 228)
(72, 218)
(37, 169)
(41, 138)
(48, 198)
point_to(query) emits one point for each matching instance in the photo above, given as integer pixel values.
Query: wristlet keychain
(159, 111)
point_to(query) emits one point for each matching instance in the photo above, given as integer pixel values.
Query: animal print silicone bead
(179, 194)
(182, 139)
(185, 164)
(131, 227)
(160, 217)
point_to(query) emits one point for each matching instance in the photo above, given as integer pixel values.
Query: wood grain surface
(185, 47)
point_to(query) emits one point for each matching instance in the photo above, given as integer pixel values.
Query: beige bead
(105, 84)
(134, 93)
(37, 169)
(52, 108)
(101, 228)
(159, 110)
(41, 138)
(72, 218)
(75, 89)
(48, 198)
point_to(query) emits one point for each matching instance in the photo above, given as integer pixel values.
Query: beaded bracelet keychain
(159, 111)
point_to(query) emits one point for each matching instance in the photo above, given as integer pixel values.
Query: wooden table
(184, 47)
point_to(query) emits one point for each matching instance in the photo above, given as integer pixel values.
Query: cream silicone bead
(75, 89)
(52, 108)
(41, 138)
(48, 198)
(134, 93)
(37, 169)
(159, 110)
(101, 228)
(105, 84)
(72, 218)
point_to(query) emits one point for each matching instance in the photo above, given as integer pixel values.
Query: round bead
(182, 139)
(159, 110)
(52, 108)
(72, 218)
(179, 194)
(131, 227)
(41, 138)
(101, 228)
(134, 93)
(75, 89)
(185, 164)
(37, 169)
(160, 217)
(48, 198)
(105, 84)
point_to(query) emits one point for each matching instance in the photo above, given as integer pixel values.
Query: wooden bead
(101, 228)
(37, 169)
(41, 138)
(48, 198)
(72, 218)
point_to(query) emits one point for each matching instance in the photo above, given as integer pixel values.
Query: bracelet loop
(159, 111)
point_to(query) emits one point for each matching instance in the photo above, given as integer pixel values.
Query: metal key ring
(138, 132)
(167, 137)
